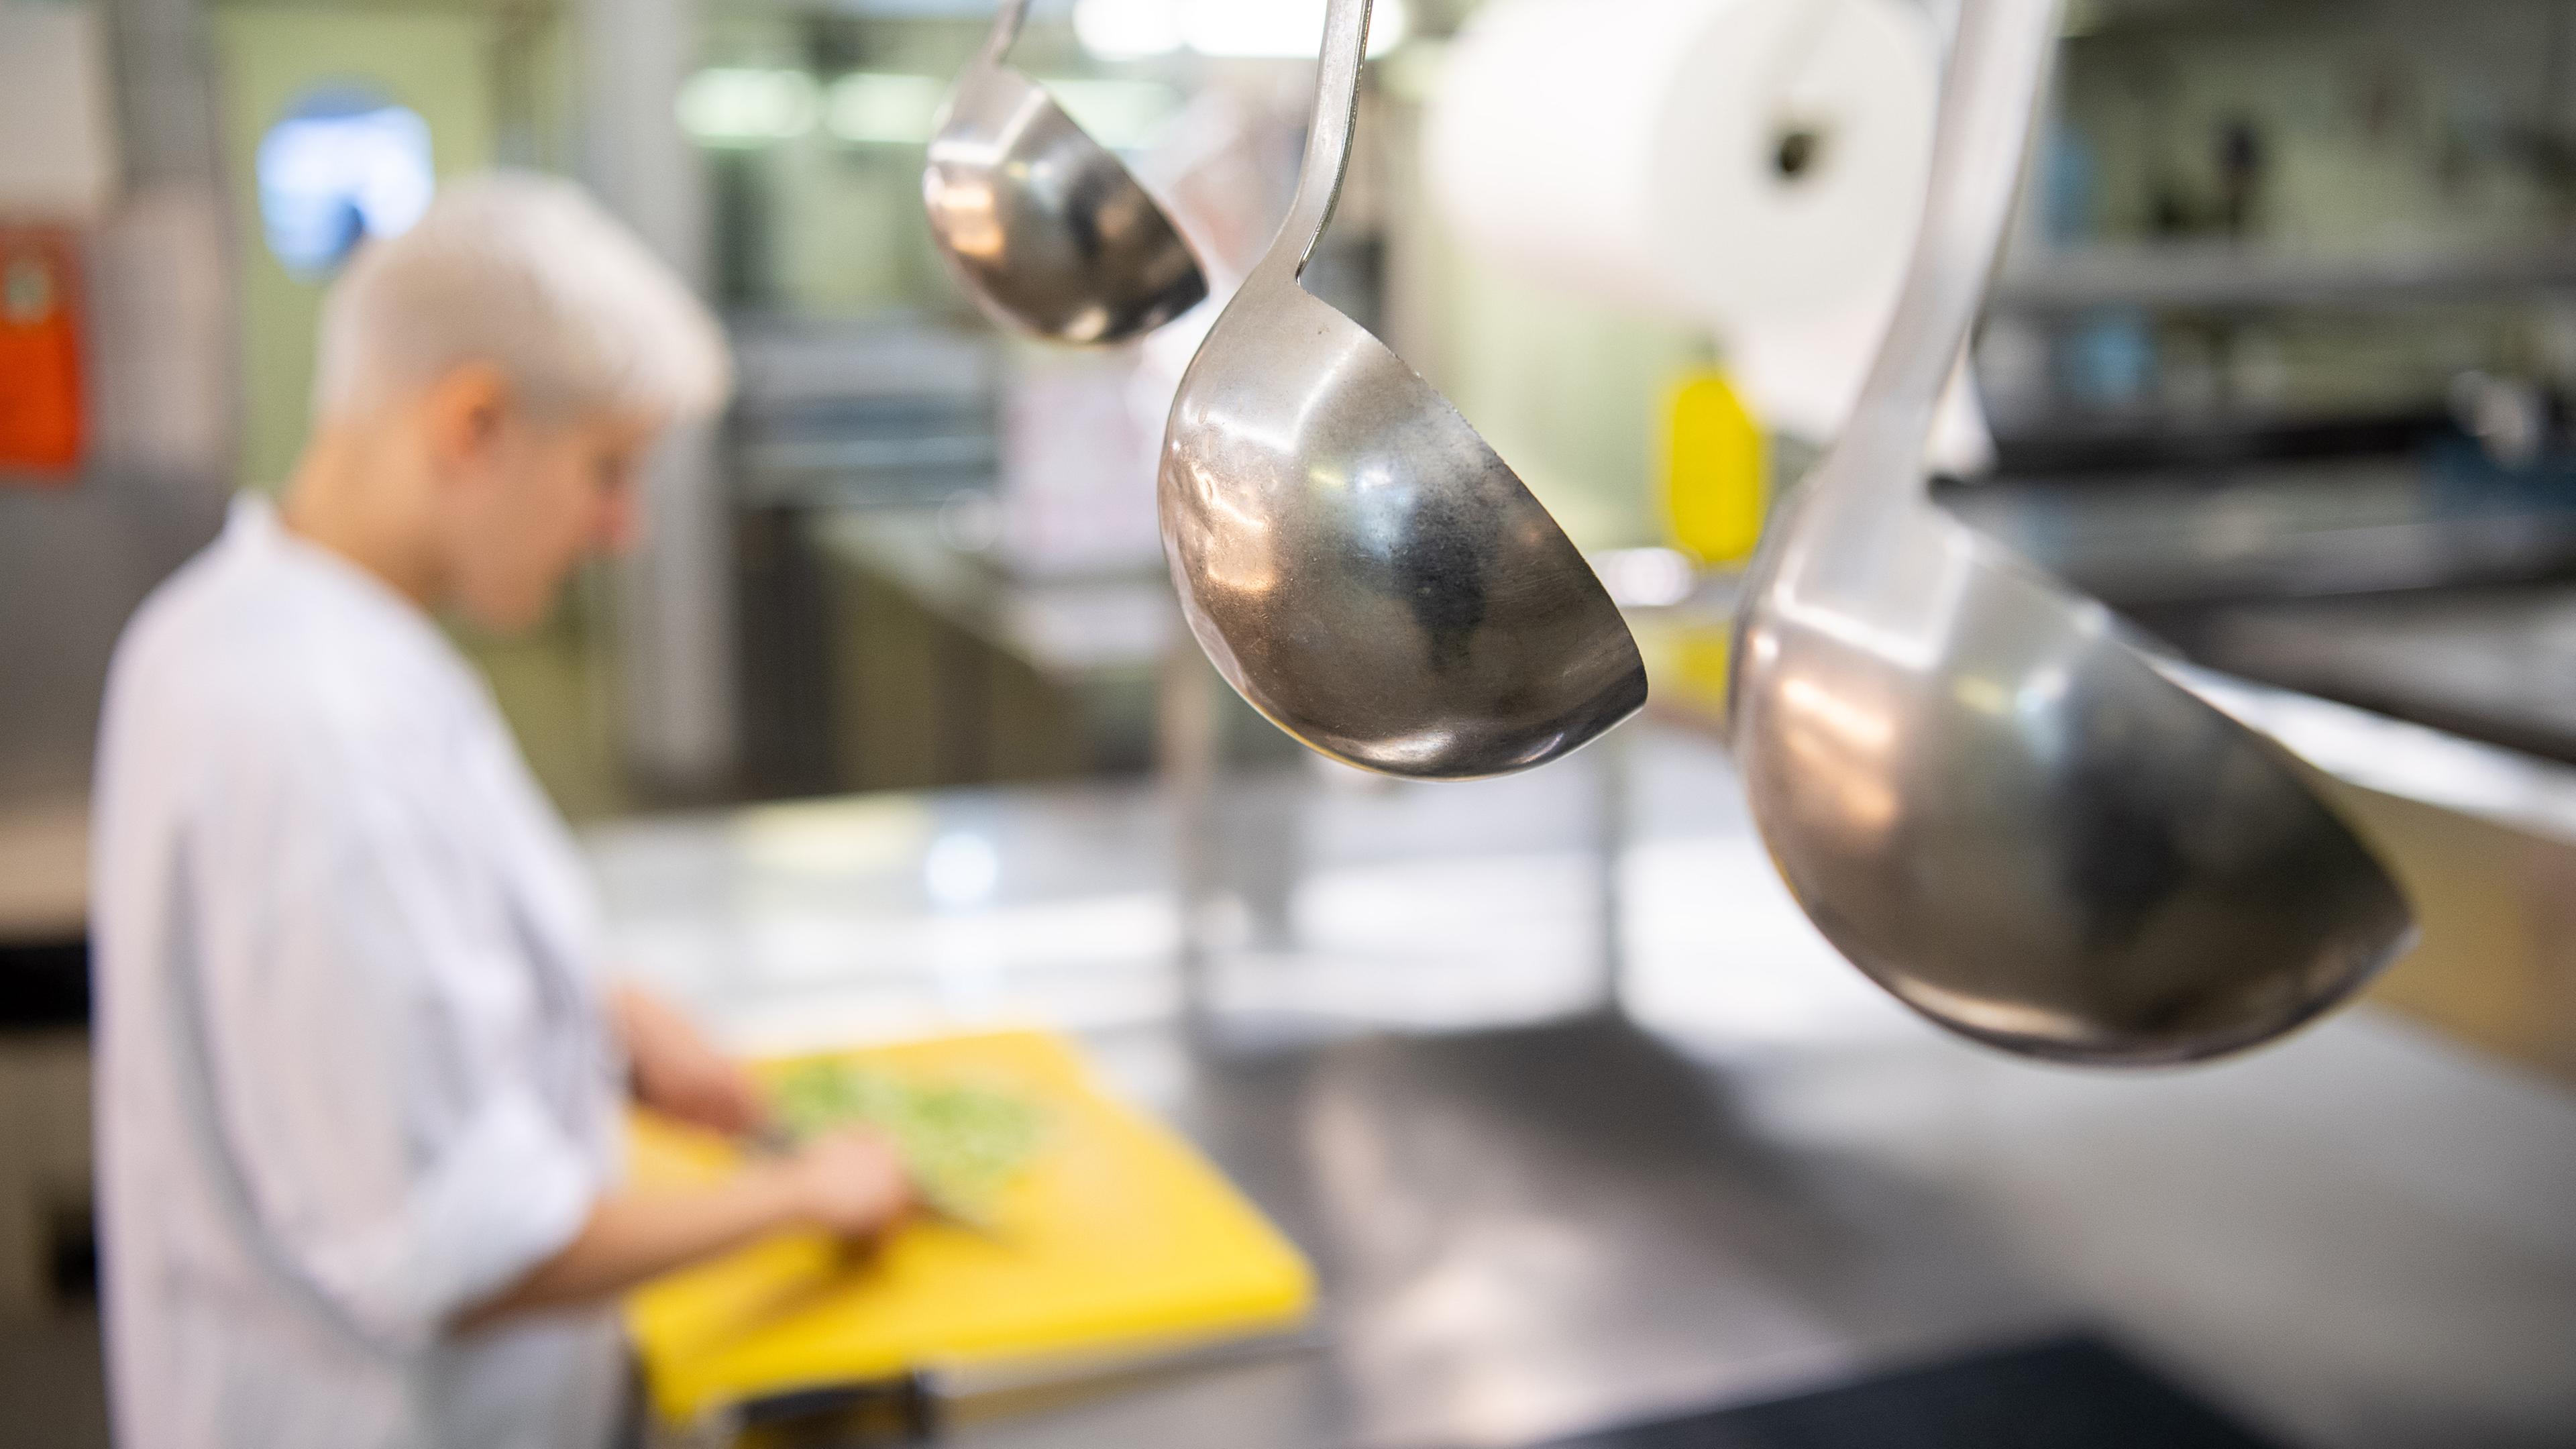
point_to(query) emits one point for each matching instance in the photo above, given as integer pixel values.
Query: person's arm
(678, 1072)
(850, 1184)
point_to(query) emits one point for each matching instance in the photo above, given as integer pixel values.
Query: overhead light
(961, 868)
(1286, 29)
(729, 106)
(1280, 28)
(1127, 29)
(343, 166)
(1119, 114)
(1645, 578)
(883, 108)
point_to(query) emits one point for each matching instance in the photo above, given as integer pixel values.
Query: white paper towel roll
(1734, 161)
(1801, 376)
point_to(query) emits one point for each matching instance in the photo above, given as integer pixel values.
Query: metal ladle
(1993, 806)
(1042, 224)
(1350, 554)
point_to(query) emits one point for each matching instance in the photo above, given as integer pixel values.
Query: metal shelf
(2230, 277)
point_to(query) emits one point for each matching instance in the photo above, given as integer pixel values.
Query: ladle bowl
(1042, 225)
(1981, 795)
(1352, 556)
(2014, 823)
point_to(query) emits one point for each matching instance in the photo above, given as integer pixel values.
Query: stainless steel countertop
(2428, 585)
(2497, 663)
(2333, 527)
(1546, 1194)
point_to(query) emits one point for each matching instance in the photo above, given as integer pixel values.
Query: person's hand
(850, 1183)
(681, 1074)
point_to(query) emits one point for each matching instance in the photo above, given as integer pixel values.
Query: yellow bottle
(1716, 469)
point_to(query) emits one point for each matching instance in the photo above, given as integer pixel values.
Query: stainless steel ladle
(1351, 555)
(1986, 800)
(1043, 226)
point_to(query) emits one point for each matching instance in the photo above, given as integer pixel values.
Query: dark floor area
(53, 1384)
(2069, 1393)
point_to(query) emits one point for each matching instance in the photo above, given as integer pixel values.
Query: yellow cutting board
(1117, 1235)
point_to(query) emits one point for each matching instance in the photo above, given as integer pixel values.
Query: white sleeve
(371, 1020)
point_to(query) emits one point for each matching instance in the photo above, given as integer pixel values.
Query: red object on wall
(40, 355)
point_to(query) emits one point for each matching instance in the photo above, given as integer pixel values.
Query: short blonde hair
(528, 274)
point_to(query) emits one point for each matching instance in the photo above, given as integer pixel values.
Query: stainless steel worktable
(1575, 1143)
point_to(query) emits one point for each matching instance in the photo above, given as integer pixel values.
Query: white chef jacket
(352, 1071)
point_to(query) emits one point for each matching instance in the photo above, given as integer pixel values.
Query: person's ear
(466, 412)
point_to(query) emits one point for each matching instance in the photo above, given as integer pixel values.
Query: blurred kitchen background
(2281, 365)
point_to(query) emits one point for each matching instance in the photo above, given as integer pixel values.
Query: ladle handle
(1998, 66)
(1007, 21)
(1328, 136)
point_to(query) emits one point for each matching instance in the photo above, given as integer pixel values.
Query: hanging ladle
(1042, 224)
(1986, 800)
(1350, 554)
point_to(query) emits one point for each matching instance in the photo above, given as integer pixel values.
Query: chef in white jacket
(358, 1084)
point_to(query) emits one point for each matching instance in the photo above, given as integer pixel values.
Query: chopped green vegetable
(961, 1143)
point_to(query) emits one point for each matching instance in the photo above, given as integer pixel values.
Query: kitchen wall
(267, 60)
(77, 553)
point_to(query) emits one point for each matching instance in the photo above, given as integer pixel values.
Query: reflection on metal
(1991, 804)
(1043, 226)
(1351, 555)
(1537, 1232)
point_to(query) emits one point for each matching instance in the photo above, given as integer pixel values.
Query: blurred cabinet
(44, 1048)
(880, 654)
